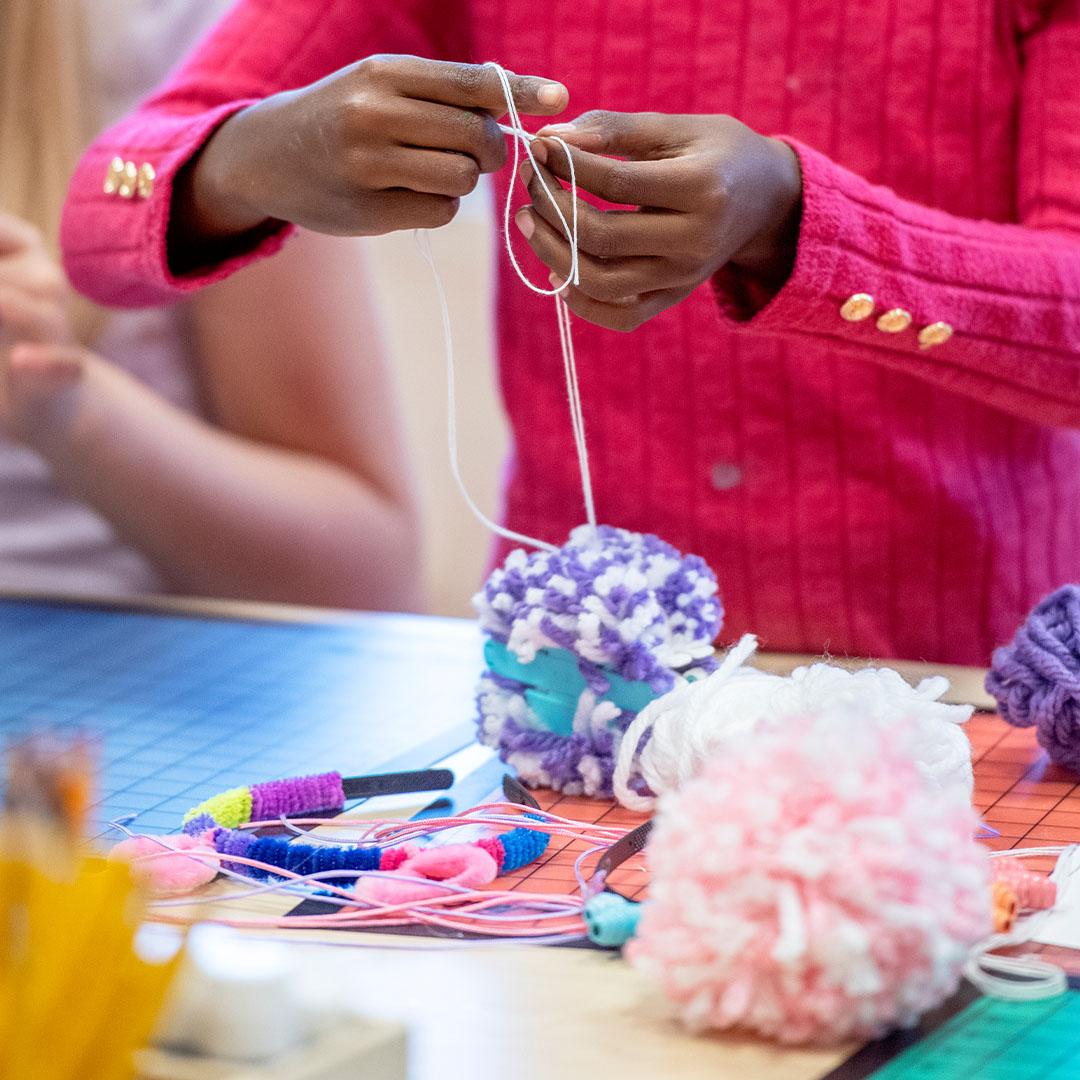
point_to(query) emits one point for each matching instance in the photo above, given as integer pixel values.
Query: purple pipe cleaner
(233, 842)
(297, 795)
(1036, 679)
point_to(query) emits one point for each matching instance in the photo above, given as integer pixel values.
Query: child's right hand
(390, 143)
(33, 291)
(42, 390)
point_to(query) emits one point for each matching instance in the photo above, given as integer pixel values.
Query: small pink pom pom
(809, 887)
(163, 874)
(465, 865)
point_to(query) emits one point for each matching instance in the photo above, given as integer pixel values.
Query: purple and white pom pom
(620, 602)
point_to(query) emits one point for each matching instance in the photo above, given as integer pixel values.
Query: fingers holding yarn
(429, 125)
(624, 315)
(651, 183)
(608, 281)
(607, 234)
(471, 86)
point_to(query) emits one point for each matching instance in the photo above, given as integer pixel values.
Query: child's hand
(709, 191)
(33, 292)
(42, 392)
(390, 143)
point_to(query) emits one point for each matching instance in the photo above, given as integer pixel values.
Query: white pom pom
(697, 720)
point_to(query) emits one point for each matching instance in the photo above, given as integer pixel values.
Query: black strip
(397, 783)
(632, 843)
(516, 792)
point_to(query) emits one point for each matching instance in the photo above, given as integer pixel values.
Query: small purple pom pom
(1036, 679)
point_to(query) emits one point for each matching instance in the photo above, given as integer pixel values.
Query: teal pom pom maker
(554, 684)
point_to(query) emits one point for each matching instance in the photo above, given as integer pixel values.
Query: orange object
(1005, 906)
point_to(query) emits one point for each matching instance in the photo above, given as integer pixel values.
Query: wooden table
(497, 1012)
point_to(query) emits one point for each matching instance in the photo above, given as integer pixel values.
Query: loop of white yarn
(1017, 978)
(683, 745)
(697, 719)
(522, 138)
(1013, 978)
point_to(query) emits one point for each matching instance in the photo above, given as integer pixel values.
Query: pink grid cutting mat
(1029, 801)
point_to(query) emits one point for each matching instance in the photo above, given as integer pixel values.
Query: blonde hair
(48, 113)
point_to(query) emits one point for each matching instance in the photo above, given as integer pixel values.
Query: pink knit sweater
(853, 491)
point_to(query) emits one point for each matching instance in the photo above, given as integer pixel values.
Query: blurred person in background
(244, 442)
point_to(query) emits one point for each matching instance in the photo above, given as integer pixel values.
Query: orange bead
(1005, 907)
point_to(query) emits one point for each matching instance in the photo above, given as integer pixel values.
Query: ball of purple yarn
(1036, 679)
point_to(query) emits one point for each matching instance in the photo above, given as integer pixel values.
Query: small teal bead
(611, 920)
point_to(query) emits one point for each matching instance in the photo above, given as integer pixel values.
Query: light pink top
(49, 541)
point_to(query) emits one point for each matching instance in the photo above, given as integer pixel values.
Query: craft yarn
(616, 606)
(1036, 678)
(809, 887)
(673, 737)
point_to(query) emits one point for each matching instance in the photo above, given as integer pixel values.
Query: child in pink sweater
(853, 384)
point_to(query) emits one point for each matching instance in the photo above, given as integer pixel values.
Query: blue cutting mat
(185, 707)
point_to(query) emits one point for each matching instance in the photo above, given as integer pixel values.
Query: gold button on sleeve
(145, 183)
(858, 307)
(112, 177)
(894, 321)
(128, 179)
(936, 333)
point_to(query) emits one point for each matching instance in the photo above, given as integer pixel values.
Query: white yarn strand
(577, 419)
(521, 138)
(1013, 978)
(423, 243)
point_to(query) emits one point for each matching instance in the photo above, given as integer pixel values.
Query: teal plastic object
(610, 919)
(997, 1040)
(554, 684)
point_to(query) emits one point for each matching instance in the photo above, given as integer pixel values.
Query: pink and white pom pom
(808, 886)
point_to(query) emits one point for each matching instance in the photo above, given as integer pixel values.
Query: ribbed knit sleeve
(114, 233)
(873, 270)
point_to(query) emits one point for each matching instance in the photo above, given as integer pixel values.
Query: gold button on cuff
(858, 307)
(894, 321)
(936, 333)
(113, 176)
(145, 183)
(128, 179)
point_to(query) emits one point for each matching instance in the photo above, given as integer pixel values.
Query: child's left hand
(708, 191)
